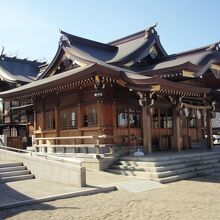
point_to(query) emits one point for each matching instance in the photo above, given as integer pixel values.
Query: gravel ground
(189, 199)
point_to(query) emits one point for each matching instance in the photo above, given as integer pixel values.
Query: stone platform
(171, 166)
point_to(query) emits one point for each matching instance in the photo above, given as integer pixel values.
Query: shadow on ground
(9, 195)
(213, 178)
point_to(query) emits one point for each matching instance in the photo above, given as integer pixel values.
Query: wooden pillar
(99, 107)
(203, 124)
(79, 125)
(35, 114)
(57, 120)
(41, 125)
(146, 120)
(209, 130)
(176, 131)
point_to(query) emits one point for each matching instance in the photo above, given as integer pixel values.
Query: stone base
(97, 164)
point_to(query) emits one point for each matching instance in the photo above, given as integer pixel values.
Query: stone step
(149, 164)
(9, 169)
(131, 168)
(10, 164)
(169, 158)
(156, 175)
(186, 175)
(129, 173)
(188, 161)
(164, 168)
(185, 170)
(14, 173)
(16, 178)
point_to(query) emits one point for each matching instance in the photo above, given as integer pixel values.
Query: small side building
(17, 116)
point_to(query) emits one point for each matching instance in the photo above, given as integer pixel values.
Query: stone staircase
(167, 169)
(201, 144)
(14, 171)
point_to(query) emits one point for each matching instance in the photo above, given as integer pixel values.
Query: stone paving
(21, 192)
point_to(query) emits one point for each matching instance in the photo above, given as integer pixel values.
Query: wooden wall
(105, 109)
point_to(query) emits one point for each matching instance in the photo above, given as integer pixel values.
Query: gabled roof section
(197, 60)
(133, 48)
(125, 51)
(53, 64)
(14, 70)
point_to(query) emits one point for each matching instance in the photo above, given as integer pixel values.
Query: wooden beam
(146, 120)
(215, 67)
(189, 74)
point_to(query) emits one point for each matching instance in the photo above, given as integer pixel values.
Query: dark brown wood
(146, 117)
(209, 129)
(176, 130)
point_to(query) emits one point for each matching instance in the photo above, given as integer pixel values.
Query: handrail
(41, 154)
(75, 137)
(62, 138)
(97, 145)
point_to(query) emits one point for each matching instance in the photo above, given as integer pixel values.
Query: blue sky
(31, 28)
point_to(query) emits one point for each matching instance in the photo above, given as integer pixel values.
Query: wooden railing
(55, 144)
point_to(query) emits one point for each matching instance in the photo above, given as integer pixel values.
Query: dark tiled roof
(123, 51)
(18, 70)
(196, 60)
(43, 83)
(133, 80)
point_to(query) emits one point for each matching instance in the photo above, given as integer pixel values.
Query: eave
(54, 84)
(160, 85)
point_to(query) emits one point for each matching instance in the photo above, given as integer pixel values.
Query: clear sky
(30, 28)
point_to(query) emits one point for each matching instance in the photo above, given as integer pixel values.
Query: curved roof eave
(42, 83)
(207, 66)
(82, 58)
(187, 66)
(157, 80)
(141, 51)
(7, 76)
(52, 63)
(135, 55)
(56, 80)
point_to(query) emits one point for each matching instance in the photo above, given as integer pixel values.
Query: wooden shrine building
(129, 89)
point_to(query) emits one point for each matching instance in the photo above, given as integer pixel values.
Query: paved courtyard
(197, 198)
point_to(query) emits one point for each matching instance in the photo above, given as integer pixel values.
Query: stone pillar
(146, 120)
(176, 131)
(209, 130)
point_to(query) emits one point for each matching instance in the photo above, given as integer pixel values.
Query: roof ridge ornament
(2, 53)
(214, 46)
(63, 36)
(151, 29)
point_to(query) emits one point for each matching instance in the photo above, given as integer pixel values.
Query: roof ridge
(214, 46)
(136, 35)
(26, 60)
(86, 40)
